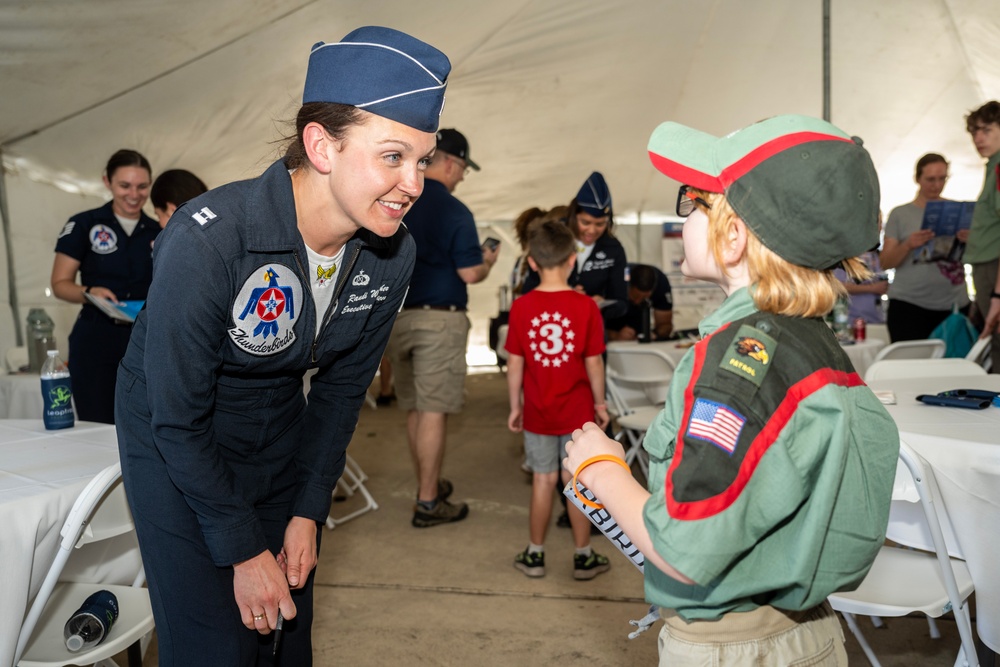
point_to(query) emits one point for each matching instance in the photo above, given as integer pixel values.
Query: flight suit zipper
(341, 281)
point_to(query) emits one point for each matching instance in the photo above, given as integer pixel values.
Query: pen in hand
(277, 635)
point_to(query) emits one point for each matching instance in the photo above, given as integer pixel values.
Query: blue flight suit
(219, 445)
(122, 263)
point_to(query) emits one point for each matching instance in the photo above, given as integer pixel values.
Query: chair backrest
(889, 369)
(502, 341)
(100, 512)
(927, 490)
(640, 373)
(980, 353)
(928, 348)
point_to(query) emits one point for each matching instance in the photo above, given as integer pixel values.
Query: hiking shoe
(588, 567)
(443, 512)
(444, 489)
(531, 564)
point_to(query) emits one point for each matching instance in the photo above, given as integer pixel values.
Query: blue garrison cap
(383, 71)
(594, 196)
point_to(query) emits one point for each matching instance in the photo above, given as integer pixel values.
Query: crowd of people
(229, 467)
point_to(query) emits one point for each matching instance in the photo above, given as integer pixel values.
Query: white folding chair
(890, 369)
(636, 378)
(502, 341)
(100, 513)
(351, 482)
(902, 581)
(927, 348)
(980, 354)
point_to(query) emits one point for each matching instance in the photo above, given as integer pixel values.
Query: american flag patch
(716, 423)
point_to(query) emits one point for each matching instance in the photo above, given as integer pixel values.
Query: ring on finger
(259, 617)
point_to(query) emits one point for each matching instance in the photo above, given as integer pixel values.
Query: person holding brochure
(772, 463)
(555, 340)
(229, 468)
(111, 249)
(922, 294)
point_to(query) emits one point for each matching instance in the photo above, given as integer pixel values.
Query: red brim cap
(808, 190)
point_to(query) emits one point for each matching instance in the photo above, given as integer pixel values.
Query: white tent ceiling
(546, 90)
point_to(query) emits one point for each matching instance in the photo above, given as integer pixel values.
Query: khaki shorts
(427, 352)
(544, 453)
(764, 636)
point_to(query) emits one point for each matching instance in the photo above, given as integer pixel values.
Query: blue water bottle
(90, 624)
(57, 393)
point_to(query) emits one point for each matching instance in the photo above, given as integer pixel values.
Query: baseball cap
(381, 70)
(594, 196)
(807, 189)
(453, 142)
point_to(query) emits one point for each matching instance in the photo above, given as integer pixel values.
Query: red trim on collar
(693, 511)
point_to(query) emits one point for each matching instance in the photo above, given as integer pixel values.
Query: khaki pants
(764, 636)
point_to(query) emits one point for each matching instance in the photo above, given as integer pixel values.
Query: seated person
(645, 283)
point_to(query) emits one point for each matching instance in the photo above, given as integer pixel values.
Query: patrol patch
(265, 310)
(750, 354)
(103, 239)
(716, 423)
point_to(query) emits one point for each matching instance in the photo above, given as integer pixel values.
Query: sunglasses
(687, 201)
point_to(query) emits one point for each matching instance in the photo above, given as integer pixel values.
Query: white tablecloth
(41, 474)
(962, 447)
(20, 396)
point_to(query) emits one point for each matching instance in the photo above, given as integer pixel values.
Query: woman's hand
(919, 238)
(105, 293)
(587, 442)
(261, 592)
(299, 555)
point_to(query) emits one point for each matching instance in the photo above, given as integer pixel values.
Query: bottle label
(57, 398)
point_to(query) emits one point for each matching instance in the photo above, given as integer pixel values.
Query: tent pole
(9, 250)
(826, 60)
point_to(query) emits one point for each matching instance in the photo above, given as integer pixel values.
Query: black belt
(453, 309)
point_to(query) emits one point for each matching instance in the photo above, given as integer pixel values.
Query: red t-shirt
(555, 332)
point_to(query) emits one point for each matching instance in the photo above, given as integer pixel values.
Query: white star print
(557, 362)
(538, 356)
(570, 347)
(545, 362)
(535, 322)
(532, 333)
(570, 335)
(534, 347)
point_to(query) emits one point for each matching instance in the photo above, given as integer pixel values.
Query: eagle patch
(750, 354)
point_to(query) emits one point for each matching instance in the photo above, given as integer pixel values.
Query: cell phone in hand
(491, 243)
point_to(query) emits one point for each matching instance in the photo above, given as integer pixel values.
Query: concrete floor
(390, 594)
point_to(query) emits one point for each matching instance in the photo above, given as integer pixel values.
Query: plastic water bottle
(841, 319)
(57, 393)
(90, 624)
(40, 337)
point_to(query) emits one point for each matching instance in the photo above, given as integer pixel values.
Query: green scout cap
(806, 189)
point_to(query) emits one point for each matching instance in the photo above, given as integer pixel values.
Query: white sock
(584, 551)
(536, 548)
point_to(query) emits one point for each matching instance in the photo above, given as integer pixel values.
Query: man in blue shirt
(427, 346)
(646, 284)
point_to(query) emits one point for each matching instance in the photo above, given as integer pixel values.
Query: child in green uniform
(771, 466)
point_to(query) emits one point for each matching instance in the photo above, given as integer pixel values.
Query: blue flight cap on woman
(594, 196)
(383, 71)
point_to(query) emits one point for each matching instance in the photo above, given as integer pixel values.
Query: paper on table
(124, 311)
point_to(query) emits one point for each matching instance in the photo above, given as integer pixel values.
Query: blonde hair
(777, 285)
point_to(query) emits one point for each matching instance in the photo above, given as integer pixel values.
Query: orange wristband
(592, 460)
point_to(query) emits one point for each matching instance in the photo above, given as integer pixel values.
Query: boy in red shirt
(555, 340)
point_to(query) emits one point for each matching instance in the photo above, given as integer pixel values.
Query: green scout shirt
(984, 235)
(771, 468)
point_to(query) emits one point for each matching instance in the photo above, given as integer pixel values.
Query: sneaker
(588, 567)
(443, 512)
(384, 399)
(531, 564)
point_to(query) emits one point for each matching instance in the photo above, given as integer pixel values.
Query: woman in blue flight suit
(228, 468)
(112, 249)
(600, 271)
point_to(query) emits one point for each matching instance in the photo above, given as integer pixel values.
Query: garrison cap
(808, 190)
(594, 196)
(381, 70)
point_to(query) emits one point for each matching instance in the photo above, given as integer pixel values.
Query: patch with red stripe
(768, 435)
